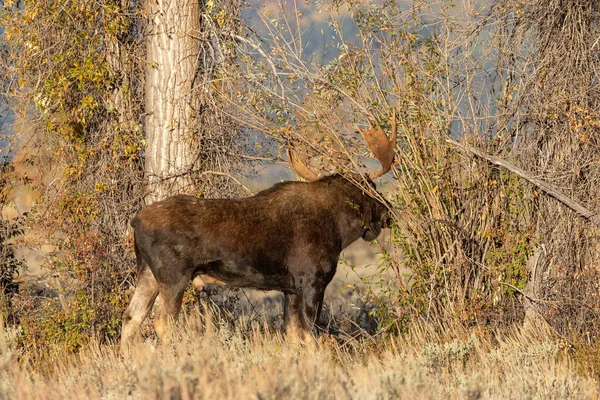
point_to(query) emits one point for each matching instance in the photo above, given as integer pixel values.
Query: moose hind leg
(146, 290)
(169, 305)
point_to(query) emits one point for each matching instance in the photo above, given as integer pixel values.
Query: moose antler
(381, 147)
(377, 142)
(299, 167)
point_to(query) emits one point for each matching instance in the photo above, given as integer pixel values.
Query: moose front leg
(301, 313)
(312, 304)
(292, 316)
(303, 308)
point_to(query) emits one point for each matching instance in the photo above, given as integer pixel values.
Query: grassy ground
(212, 358)
(245, 357)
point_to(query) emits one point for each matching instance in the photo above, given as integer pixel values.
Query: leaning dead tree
(563, 100)
(574, 205)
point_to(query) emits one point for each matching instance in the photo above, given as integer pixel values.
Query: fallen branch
(546, 187)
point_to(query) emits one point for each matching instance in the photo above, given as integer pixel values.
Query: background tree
(172, 63)
(563, 147)
(76, 72)
(185, 50)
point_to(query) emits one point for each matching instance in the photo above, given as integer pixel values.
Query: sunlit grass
(212, 358)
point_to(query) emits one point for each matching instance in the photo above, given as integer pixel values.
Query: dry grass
(212, 359)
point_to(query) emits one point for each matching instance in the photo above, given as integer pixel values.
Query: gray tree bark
(172, 54)
(563, 268)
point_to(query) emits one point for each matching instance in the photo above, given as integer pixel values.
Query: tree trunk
(563, 150)
(172, 54)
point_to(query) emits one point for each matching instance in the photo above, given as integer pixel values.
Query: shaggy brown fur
(285, 238)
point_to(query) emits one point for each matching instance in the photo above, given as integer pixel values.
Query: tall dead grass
(213, 359)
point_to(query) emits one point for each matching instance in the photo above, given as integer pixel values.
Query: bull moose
(286, 238)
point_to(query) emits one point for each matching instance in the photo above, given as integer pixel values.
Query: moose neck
(353, 207)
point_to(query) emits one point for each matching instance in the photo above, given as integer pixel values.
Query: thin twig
(225, 174)
(267, 59)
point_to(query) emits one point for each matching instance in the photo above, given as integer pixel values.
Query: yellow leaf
(210, 5)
